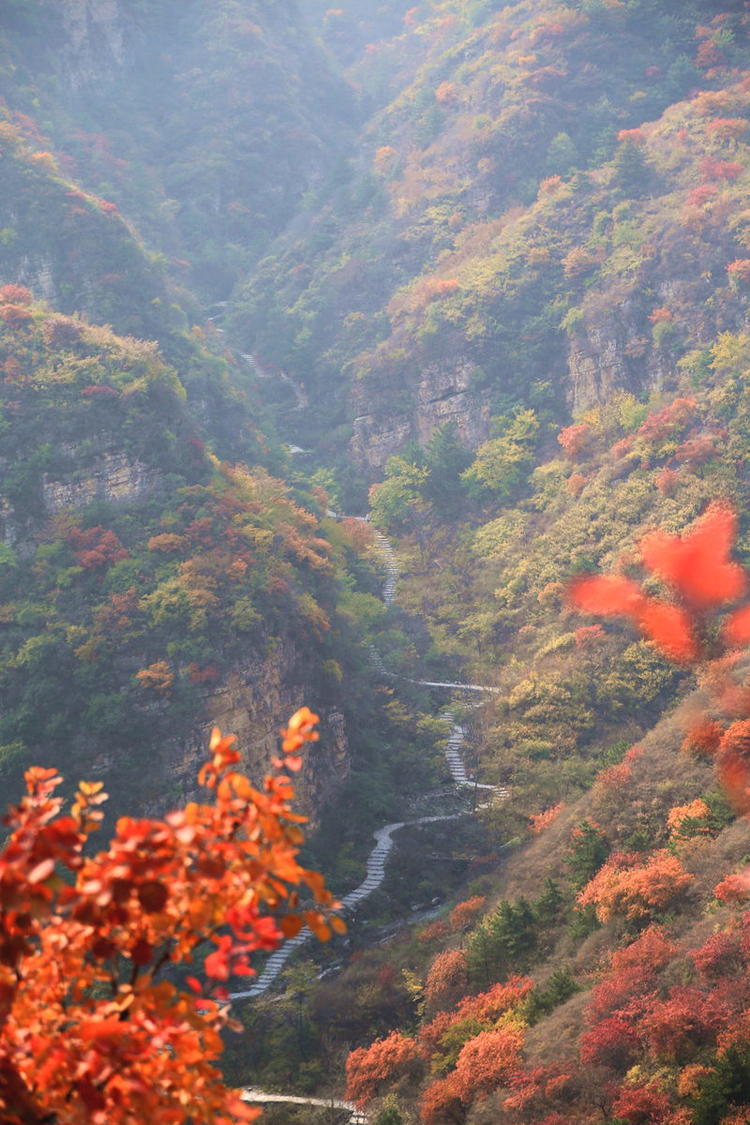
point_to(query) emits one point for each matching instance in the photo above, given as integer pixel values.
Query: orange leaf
(290, 925)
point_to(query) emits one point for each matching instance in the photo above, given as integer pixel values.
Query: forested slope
(492, 261)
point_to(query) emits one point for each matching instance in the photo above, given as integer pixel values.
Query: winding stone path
(391, 567)
(376, 861)
(260, 1097)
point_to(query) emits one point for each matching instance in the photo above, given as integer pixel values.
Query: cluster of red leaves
(615, 777)
(634, 136)
(739, 269)
(576, 440)
(464, 913)
(15, 315)
(636, 1011)
(669, 421)
(666, 481)
(697, 570)
(157, 677)
(208, 674)
(96, 547)
(733, 762)
(485, 1008)
(447, 979)
(696, 451)
(687, 821)
(641, 1105)
(99, 391)
(434, 931)
(576, 483)
(89, 1033)
(678, 1026)
(733, 888)
(719, 956)
(15, 295)
(532, 1092)
(486, 1062)
(703, 738)
(714, 169)
(728, 128)
(704, 193)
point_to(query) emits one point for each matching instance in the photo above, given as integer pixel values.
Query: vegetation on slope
(137, 568)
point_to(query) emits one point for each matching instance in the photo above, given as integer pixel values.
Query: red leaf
(142, 952)
(609, 594)
(669, 628)
(737, 627)
(152, 896)
(696, 565)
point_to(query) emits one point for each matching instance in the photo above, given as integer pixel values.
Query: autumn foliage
(94, 1026)
(368, 1068)
(627, 885)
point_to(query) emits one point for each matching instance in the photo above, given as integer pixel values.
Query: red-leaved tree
(94, 1026)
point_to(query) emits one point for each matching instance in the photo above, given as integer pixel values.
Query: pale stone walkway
(376, 862)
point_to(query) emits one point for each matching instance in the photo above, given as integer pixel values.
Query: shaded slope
(205, 123)
(434, 287)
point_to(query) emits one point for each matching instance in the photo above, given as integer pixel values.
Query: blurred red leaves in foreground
(698, 572)
(94, 1027)
(702, 579)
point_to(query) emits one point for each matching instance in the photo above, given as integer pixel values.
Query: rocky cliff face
(256, 699)
(116, 478)
(93, 42)
(443, 394)
(253, 702)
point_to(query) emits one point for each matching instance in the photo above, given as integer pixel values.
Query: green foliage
(510, 938)
(501, 462)
(141, 568)
(725, 1088)
(631, 171)
(389, 1115)
(560, 986)
(446, 459)
(504, 942)
(589, 849)
(396, 501)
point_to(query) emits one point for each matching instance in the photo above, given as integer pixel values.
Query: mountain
(441, 283)
(482, 267)
(207, 124)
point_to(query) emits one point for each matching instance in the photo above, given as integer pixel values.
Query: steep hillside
(485, 266)
(147, 587)
(206, 124)
(443, 281)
